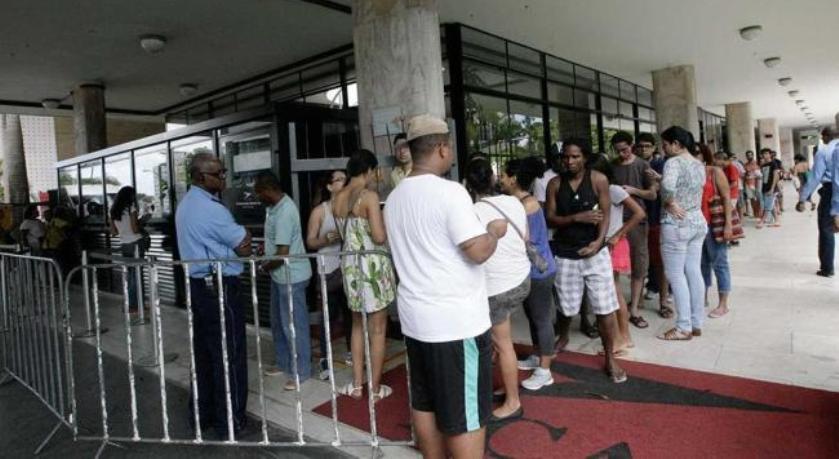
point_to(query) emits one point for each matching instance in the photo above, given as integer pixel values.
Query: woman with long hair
(507, 274)
(322, 236)
(683, 230)
(369, 280)
(715, 253)
(516, 178)
(126, 224)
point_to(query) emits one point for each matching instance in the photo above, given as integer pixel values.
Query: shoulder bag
(536, 258)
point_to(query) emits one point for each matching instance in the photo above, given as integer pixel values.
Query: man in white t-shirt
(438, 247)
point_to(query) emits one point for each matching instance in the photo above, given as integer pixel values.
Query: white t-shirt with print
(442, 295)
(540, 185)
(508, 266)
(618, 195)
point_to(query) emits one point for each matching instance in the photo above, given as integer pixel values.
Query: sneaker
(272, 371)
(530, 363)
(323, 375)
(348, 359)
(540, 378)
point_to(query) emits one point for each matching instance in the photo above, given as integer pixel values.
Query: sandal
(665, 311)
(350, 391)
(383, 393)
(616, 353)
(591, 331)
(639, 322)
(716, 313)
(617, 377)
(674, 334)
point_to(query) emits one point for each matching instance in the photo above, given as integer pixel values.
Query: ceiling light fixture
(799, 102)
(772, 62)
(793, 93)
(785, 81)
(152, 44)
(188, 89)
(751, 32)
(50, 104)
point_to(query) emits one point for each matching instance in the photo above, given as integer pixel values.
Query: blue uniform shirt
(206, 230)
(834, 202)
(822, 170)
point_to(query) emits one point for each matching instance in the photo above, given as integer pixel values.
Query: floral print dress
(369, 280)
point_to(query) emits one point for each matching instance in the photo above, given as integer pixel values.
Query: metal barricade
(221, 302)
(32, 344)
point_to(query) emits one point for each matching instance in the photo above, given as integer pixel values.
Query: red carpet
(659, 412)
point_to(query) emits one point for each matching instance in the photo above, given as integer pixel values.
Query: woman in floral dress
(369, 280)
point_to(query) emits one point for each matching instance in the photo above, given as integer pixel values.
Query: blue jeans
(127, 251)
(827, 239)
(281, 330)
(715, 256)
(681, 252)
(769, 207)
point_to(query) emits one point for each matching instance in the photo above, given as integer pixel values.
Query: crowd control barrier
(134, 428)
(33, 329)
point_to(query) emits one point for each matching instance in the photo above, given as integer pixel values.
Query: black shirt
(768, 171)
(570, 239)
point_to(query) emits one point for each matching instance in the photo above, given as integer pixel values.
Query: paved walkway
(783, 322)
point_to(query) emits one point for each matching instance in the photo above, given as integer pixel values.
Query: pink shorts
(620, 257)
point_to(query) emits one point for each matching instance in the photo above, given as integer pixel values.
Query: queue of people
(466, 260)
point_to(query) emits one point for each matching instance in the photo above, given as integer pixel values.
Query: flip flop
(617, 353)
(639, 322)
(716, 315)
(619, 377)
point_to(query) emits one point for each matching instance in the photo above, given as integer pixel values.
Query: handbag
(717, 225)
(536, 258)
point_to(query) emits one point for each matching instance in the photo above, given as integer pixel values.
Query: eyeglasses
(645, 146)
(221, 173)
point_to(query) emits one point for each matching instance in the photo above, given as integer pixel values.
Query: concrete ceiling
(47, 47)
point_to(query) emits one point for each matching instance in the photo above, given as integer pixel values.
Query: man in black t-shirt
(771, 176)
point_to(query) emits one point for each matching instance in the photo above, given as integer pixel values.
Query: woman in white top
(322, 235)
(124, 222)
(507, 274)
(619, 246)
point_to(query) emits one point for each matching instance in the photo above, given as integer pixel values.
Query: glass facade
(712, 130)
(518, 101)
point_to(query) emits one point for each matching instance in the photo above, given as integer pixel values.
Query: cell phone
(596, 207)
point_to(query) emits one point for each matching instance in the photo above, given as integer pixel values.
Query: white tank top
(328, 225)
(126, 232)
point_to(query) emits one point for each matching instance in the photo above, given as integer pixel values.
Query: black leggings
(540, 309)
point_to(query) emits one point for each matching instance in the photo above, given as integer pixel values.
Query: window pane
(644, 113)
(117, 175)
(320, 78)
(224, 106)
(626, 109)
(524, 59)
(93, 201)
(285, 88)
(647, 127)
(585, 99)
(198, 114)
(627, 91)
(245, 152)
(483, 47)
(560, 93)
(527, 129)
(609, 85)
(560, 70)
(68, 185)
(570, 123)
(487, 129)
(332, 98)
(609, 105)
(250, 98)
(595, 141)
(483, 76)
(182, 152)
(645, 96)
(585, 77)
(523, 85)
(152, 174)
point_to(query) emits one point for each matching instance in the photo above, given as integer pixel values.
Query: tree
(14, 166)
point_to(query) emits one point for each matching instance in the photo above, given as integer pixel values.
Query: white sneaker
(530, 363)
(348, 359)
(540, 378)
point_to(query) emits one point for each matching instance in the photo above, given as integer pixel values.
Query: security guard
(206, 230)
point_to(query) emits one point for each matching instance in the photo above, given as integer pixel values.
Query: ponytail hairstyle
(680, 135)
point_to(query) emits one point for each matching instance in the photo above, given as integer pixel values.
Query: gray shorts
(501, 306)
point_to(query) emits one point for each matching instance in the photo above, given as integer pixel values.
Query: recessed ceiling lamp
(793, 93)
(152, 44)
(188, 89)
(751, 32)
(772, 62)
(799, 102)
(804, 108)
(785, 81)
(50, 104)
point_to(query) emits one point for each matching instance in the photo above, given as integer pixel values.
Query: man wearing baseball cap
(438, 246)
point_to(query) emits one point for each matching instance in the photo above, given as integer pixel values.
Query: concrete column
(89, 118)
(837, 120)
(787, 149)
(674, 90)
(740, 127)
(398, 64)
(767, 132)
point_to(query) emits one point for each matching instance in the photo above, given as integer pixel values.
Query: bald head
(829, 133)
(201, 163)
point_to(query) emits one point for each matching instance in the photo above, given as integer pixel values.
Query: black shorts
(453, 380)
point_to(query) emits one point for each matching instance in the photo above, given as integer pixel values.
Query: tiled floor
(783, 322)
